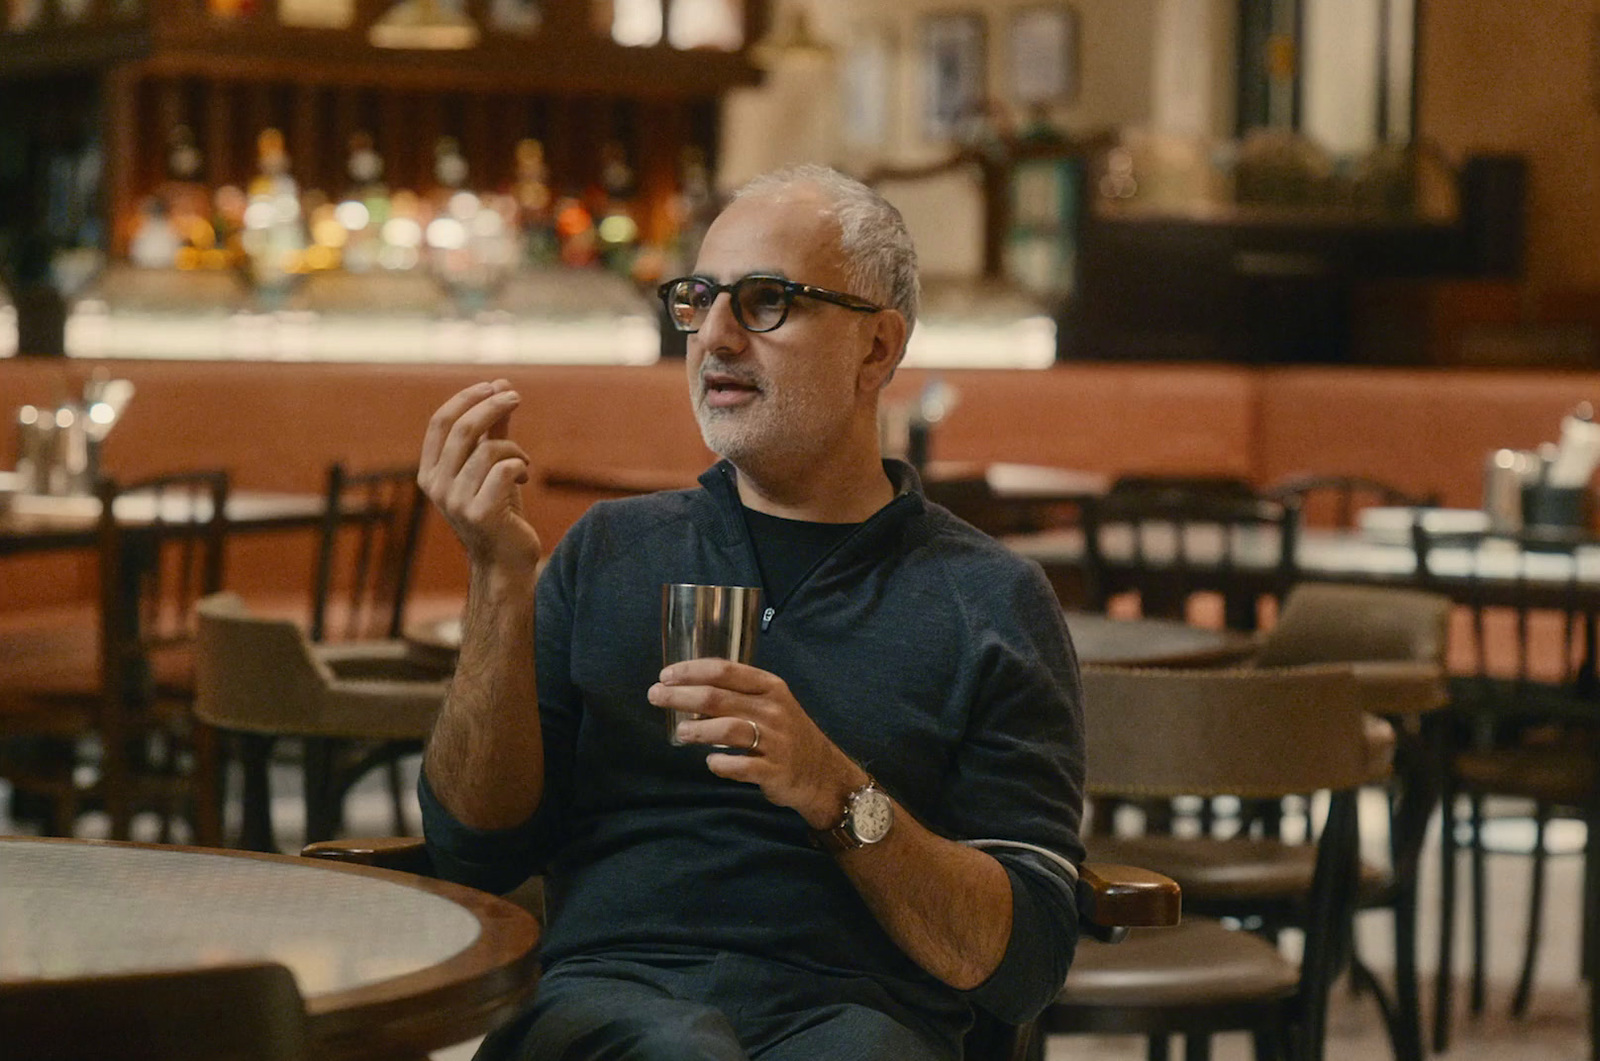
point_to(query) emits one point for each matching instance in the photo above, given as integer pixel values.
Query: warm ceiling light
(425, 25)
(790, 39)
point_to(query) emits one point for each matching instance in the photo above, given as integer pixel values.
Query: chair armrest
(1113, 899)
(395, 660)
(408, 854)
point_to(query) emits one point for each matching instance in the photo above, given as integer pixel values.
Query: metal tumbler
(707, 621)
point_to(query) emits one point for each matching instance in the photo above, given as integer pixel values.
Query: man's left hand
(793, 761)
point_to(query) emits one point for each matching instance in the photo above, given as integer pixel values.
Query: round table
(1101, 640)
(388, 963)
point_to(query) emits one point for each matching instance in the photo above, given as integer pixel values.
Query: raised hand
(472, 472)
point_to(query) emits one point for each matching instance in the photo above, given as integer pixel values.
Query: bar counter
(276, 426)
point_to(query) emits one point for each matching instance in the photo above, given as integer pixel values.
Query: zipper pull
(766, 618)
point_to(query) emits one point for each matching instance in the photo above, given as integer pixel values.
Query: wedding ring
(755, 735)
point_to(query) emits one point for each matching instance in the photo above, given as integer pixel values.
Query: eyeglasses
(760, 303)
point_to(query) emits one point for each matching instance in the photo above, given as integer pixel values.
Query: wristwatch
(868, 817)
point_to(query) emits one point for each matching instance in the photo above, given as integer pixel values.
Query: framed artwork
(866, 89)
(1044, 54)
(953, 71)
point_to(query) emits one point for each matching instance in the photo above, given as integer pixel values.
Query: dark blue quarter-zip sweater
(930, 654)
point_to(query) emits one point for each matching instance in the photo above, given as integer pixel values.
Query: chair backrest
(161, 543)
(371, 530)
(1334, 500)
(1254, 734)
(254, 674)
(1170, 537)
(1326, 622)
(1251, 733)
(245, 1012)
(1531, 619)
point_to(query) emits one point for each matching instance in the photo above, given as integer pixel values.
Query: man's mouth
(722, 390)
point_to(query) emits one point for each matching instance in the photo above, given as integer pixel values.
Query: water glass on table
(699, 622)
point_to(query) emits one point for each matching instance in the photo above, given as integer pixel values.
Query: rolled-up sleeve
(498, 860)
(1018, 793)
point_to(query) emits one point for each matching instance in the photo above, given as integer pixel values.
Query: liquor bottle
(188, 202)
(618, 229)
(274, 235)
(530, 189)
(365, 207)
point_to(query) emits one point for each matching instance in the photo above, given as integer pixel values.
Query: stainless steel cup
(707, 621)
(1505, 473)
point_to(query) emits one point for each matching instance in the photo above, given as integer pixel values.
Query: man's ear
(888, 347)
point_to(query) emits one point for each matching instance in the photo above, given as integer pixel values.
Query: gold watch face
(871, 815)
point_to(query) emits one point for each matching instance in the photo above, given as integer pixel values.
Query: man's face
(791, 393)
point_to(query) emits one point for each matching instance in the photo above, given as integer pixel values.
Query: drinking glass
(699, 621)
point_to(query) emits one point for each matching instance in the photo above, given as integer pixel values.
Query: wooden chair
(1396, 639)
(1112, 899)
(262, 678)
(1335, 500)
(161, 547)
(371, 531)
(245, 1012)
(1252, 734)
(1167, 538)
(1525, 723)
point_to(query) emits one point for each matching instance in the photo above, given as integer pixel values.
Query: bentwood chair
(129, 743)
(1168, 538)
(246, 1012)
(261, 677)
(1396, 639)
(1336, 500)
(1255, 734)
(371, 531)
(1112, 900)
(1525, 726)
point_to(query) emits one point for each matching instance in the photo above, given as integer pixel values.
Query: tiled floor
(1553, 1030)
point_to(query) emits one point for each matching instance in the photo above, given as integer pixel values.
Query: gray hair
(880, 260)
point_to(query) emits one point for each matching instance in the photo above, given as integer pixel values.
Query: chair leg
(1157, 1048)
(1269, 1044)
(1447, 921)
(1197, 1047)
(1591, 922)
(321, 790)
(396, 796)
(1480, 911)
(205, 784)
(255, 764)
(1530, 953)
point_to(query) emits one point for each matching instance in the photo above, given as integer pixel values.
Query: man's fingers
(469, 430)
(722, 673)
(446, 415)
(699, 699)
(468, 483)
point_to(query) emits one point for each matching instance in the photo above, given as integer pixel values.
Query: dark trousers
(713, 1007)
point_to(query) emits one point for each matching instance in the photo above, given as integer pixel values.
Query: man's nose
(721, 330)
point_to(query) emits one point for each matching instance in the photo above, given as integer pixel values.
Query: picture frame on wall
(954, 71)
(867, 88)
(1043, 44)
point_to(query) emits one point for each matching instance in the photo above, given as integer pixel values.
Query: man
(872, 829)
